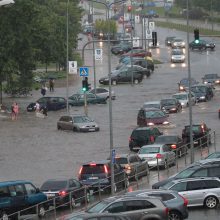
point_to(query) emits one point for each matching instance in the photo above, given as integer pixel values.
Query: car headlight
(106, 79)
(182, 103)
(205, 82)
(165, 123)
(150, 123)
(183, 57)
(217, 81)
(173, 109)
(202, 97)
(183, 43)
(172, 57)
(181, 88)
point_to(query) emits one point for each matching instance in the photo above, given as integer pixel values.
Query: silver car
(178, 43)
(77, 123)
(160, 154)
(103, 92)
(177, 56)
(183, 98)
(203, 191)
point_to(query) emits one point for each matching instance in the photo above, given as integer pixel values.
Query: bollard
(214, 141)
(86, 196)
(185, 153)
(200, 145)
(208, 142)
(176, 158)
(100, 192)
(136, 178)
(70, 201)
(54, 205)
(158, 171)
(148, 174)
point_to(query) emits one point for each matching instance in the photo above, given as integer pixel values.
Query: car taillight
(166, 211)
(105, 169)
(128, 167)
(62, 193)
(130, 139)
(92, 164)
(173, 146)
(159, 156)
(185, 201)
(152, 138)
(80, 170)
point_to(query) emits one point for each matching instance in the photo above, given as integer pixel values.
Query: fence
(74, 202)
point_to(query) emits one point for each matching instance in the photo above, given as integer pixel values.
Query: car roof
(59, 179)
(208, 161)
(100, 162)
(152, 102)
(168, 135)
(152, 145)
(137, 192)
(142, 128)
(125, 155)
(181, 93)
(13, 182)
(195, 179)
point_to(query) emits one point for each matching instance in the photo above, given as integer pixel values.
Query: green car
(78, 99)
(201, 45)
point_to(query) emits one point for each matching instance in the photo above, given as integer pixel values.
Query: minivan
(19, 195)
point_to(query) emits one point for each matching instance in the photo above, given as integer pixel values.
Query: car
(133, 166)
(201, 45)
(175, 143)
(151, 117)
(157, 155)
(96, 176)
(202, 168)
(134, 207)
(129, 27)
(19, 194)
(201, 191)
(171, 105)
(177, 56)
(79, 99)
(103, 92)
(141, 136)
(121, 48)
(95, 216)
(64, 192)
(168, 40)
(78, 123)
(202, 92)
(201, 134)
(183, 98)
(137, 53)
(213, 79)
(213, 155)
(124, 75)
(184, 84)
(176, 203)
(178, 43)
(153, 104)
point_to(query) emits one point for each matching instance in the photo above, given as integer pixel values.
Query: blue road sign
(113, 156)
(84, 71)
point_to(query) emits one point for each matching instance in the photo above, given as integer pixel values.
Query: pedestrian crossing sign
(84, 71)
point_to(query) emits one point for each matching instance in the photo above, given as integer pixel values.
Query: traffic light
(154, 38)
(85, 85)
(196, 35)
(129, 8)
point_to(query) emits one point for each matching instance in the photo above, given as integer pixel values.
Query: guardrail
(72, 201)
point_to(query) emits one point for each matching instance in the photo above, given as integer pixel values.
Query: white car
(177, 56)
(103, 92)
(178, 43)
(183, 98)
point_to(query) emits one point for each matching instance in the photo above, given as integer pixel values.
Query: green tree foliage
(34, 31)
(102, 26)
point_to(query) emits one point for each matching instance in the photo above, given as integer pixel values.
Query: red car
(138, 53)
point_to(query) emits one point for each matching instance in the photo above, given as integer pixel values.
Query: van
(19, 195)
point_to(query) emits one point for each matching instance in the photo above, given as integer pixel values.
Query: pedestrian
(15, 111)
(12, 112)
(44, 110)
(43, 90)
(51, 85)
(37, 107)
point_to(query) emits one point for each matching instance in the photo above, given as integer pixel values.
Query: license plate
(50, 195)
(93, 178)
(91, 129)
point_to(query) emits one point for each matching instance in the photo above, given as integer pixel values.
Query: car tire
(58, 127)
(75, 129)
(136, 81)
(114, 82)
(41, 211)
(211, 202)
(174, 215)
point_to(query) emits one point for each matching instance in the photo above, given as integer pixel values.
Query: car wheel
(211, 202)
(114, 82)
(174, 215)
(75, 129)
(58, 127)
(136, 81)
(41, 211)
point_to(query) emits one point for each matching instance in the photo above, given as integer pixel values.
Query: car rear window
(93, 169)
(187, 173)
(163, 196)
(194, 128)
(166, 139)
(54, 185)
(121, 160)
(154, 114)
(150, 150)
(140, 134)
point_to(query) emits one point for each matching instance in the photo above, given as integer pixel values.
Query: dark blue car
(19, 195)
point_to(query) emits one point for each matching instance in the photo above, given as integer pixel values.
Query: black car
(213, 79)
(171, 105)
(96, 175)
(168, 40)
(201, 45)
(121, 48)
(194, 170)
(184, 84)
(141, 136)
(50, 103)
(65, 192)
(124, 75)
(202, 92)
(201, 136)
(174, 142)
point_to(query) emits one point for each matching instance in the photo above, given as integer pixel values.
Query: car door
(65, 122)
(61, 103)
(142, 166)
(91, 99)
(119, 175)
(77, 190)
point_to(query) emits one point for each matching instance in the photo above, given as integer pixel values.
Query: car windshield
(93, 169)
(177, 52)
(151, 105)
(79, 119)
(186, 173)
(178, 40)
(121, 160)
(186, 81)
(166, 139)
(54, 184)
(154, 114)
(168, 102)
(211, 76)
(198, 89)
(149, 150)
(195, 128)
(97, 207)
(214, 155)
(140, 134)
(180, 96)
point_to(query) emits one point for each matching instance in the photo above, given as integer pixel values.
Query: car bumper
(89, 129)
(155, 162)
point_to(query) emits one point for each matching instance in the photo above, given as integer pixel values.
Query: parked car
(151, 117)
(201, 45)
(66, 192)
(141, 136)
(184, 84)
(177, 56)
(183, 98)
(18, 195)
(202, 92)
(50, 103)
(134, 207)
(96, 176)
(137, 53)
(175, 143)
(171, 105)
(178, 43)
(168, 40)
(203, 168)
(153, 104)
(125, 75)
(201, 134)
(78, 99)
(133, 166)
(212, 79)
(103, 93)
(202, 191)
(77, 123)
(158, 154)
(121, 48)
(176, 203)
(213, 155)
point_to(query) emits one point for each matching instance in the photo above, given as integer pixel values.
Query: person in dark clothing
(51, 85)
(43, 90)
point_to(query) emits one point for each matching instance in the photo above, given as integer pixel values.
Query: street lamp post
(67, 56)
